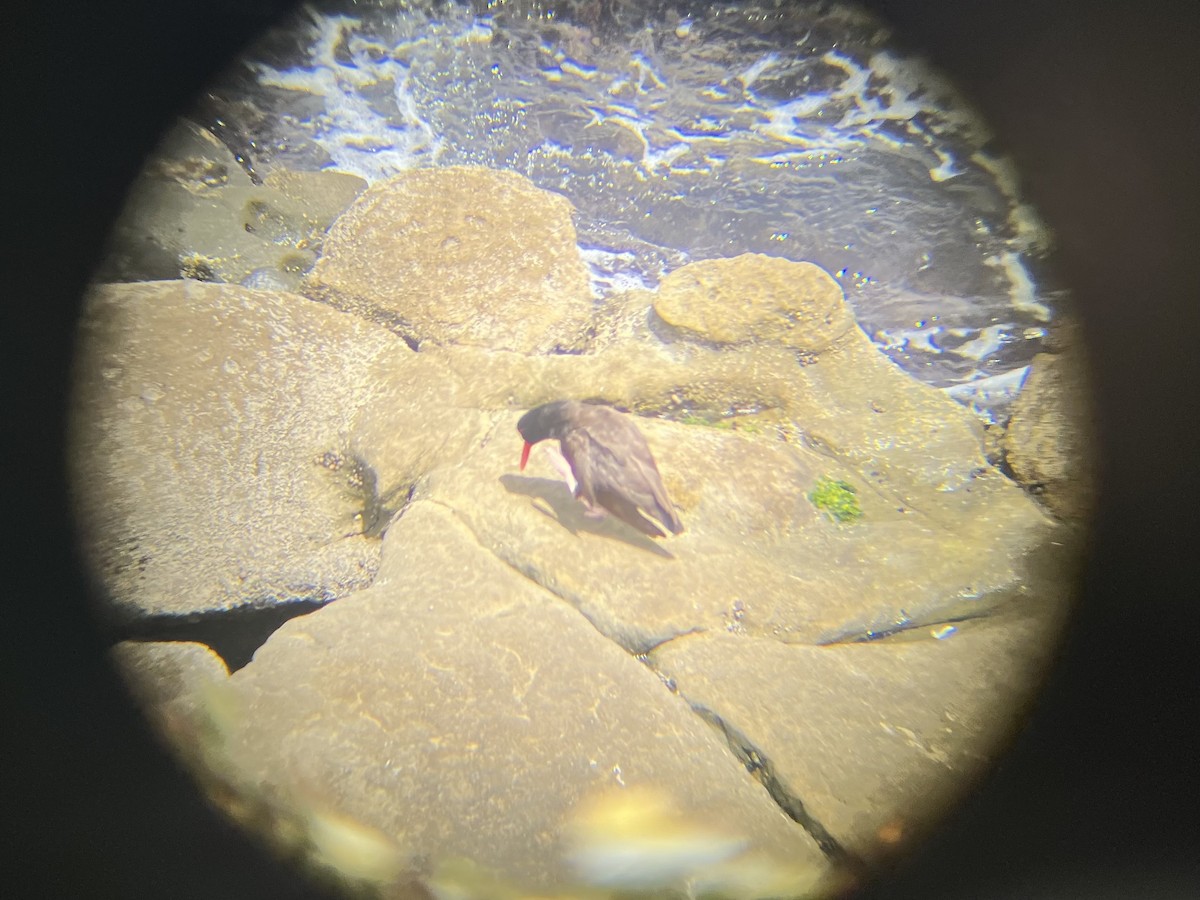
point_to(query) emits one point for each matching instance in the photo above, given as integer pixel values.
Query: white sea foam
(357, 137)
(611, 271)
(988, 341)
(1023, 291)
(986, 395)
(1030, 232)
(730, 129)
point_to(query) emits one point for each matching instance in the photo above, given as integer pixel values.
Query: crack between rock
(867, 636)
(756, 763)
(994, 603)
(516, 568)
(761, 769)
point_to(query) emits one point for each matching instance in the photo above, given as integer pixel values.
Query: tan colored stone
(875, 739)
(453, 701)
(319, 197)
(755, 298)
(209, 446)
(1049, 440)
(423, 416)
(460, 255)
(194, 213)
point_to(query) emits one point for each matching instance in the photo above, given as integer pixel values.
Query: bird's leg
(591, 512)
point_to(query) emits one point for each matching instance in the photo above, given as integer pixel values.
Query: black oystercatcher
(612, 464)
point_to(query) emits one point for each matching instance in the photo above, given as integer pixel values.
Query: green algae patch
(693, 419)
(837, 498)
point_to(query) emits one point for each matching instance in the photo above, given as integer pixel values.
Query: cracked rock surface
(872, 738)
(491, 657)
(449, 702)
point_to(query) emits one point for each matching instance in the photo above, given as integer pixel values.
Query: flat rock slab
(757, 555)
(463, 711)
(208, 431)
(874, 739)
(460, 255)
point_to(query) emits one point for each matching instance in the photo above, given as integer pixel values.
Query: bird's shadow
(559, 504)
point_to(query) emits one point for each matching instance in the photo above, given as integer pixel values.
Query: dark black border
(1098, 103)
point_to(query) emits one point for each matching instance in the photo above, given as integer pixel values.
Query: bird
(610, 460)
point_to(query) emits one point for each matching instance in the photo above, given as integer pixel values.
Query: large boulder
(460, 255)
(755, 298)
(208, 446)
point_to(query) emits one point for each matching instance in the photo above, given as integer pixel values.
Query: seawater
(694, 131)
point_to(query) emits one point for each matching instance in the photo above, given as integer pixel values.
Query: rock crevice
(759, 766)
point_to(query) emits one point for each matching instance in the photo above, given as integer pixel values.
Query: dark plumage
(612, 464)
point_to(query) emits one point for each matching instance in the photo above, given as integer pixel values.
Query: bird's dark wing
(653, 496)
(630, 469)
(621, 482)
(625, 510)
(578, 451)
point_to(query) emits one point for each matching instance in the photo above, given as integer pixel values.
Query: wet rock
(208, 446)
(464, 712)
(425, 415)
(755, 298)
(873, 739)
(194, 213)
(1049, 441)
(195, 159)
(460, 256)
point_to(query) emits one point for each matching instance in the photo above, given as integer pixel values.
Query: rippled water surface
(681, 135)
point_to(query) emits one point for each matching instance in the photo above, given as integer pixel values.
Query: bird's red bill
(525, 455)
